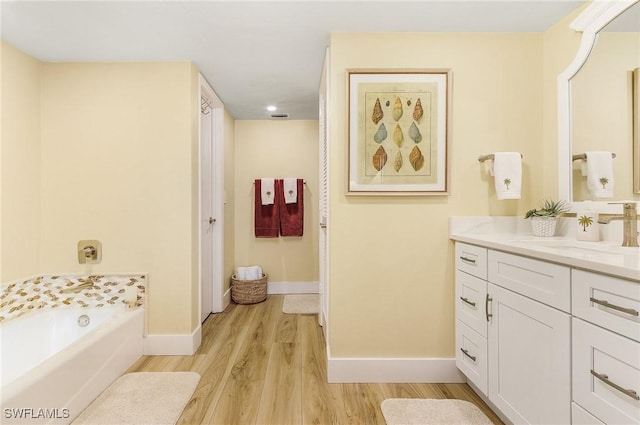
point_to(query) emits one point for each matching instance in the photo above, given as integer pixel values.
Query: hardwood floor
(261, 366)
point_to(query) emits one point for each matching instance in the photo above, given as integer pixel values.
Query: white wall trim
(417, 370)
(226, 298)
(293, 287)
(172, 345)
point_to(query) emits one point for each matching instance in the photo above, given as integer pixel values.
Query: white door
(207, 221)
(213, 298)
(323, 237)
(529, 359)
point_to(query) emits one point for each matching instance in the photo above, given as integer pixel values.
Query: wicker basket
(543, 226)
(248, 291)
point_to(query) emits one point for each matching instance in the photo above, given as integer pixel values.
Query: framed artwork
(399, 130)
(636, 130)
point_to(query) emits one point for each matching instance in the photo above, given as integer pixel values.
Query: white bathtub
(52, 367)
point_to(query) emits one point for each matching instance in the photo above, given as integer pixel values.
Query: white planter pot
(543, 226)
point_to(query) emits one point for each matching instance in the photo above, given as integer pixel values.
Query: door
(323, 236)
(529, 359)
(213, 298)
(206, 209)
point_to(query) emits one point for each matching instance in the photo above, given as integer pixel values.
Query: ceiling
(253, 53)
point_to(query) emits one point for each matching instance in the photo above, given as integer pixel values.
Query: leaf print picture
(507, 182)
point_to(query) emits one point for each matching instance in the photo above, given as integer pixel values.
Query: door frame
(217, 161)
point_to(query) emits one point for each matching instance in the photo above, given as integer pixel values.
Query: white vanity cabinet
(606, 348)
(471, 324)
(514, 348)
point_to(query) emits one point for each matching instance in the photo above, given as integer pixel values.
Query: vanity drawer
(471, 259)
(606, 374)
(471, 355)
(579, 416)
(471, 294)
(545, 282)
(607, 301)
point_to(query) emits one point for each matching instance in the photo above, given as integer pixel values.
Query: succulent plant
(548, 208)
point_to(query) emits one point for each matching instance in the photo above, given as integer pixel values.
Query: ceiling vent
(279, 116)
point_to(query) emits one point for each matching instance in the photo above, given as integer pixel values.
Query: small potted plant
(543, 219)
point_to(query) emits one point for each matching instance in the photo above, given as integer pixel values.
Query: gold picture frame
(399, 132)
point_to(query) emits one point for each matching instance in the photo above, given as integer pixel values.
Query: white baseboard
(393, 370)
(172, 345)
(293, 288)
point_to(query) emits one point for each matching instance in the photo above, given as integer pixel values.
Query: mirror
(595, 98)
(602, 104)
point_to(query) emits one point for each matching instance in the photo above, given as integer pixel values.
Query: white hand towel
(507, 168)
(600, 174)
(267, 191)
(241, 273)
(290, 190)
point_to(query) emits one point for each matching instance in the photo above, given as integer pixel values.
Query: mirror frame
(592, 19)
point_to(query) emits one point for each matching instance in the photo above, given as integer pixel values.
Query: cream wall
(20, 169)
(277, 149)
(602, 109)
(229, 198)
(391, 263)
(117, 165)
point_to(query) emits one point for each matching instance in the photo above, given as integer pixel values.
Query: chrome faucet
(84, 285)
(630, 223)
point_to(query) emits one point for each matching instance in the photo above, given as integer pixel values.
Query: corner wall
(117, 166)
(391, 263)
(20, 167)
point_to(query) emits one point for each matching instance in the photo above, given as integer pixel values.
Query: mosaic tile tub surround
(26, 295)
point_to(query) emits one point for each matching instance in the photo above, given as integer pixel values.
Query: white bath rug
(301, 304)
(150, 398)
(410, 411)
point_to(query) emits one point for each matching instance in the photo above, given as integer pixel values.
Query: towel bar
(584, 156)
(483, 158)
(303, 182)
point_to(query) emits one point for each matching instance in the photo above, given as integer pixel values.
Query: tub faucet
(75, 289)
(629, 218)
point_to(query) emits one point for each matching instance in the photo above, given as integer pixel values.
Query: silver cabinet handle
(212, 220)
(468, 260)
(466, 353)
(604, 378)
(604, 303)
(466, 300)
(486, 307)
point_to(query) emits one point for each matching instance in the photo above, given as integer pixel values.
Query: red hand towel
(291, 215)
(265, 221)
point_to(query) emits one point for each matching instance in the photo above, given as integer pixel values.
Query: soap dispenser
(587, 224)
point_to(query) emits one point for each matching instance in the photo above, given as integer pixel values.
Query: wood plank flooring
(261, 366)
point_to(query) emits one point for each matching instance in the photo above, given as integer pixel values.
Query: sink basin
(579, 247)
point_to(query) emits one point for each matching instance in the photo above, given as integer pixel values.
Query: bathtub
(54, 362)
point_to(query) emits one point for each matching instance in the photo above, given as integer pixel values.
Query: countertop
(513, 235)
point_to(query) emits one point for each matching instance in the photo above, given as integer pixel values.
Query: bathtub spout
(86, 285)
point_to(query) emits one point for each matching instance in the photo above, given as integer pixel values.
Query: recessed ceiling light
(271, 108)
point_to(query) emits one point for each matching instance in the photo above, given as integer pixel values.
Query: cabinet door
(529, 359)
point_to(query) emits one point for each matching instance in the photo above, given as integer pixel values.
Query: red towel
(265, 221)
(291, 215)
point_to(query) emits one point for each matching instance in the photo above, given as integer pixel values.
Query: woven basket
(249, 291)
(543, 226)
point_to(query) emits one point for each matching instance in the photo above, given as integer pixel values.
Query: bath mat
(301, 304)
(408, 411)
(150, 398)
